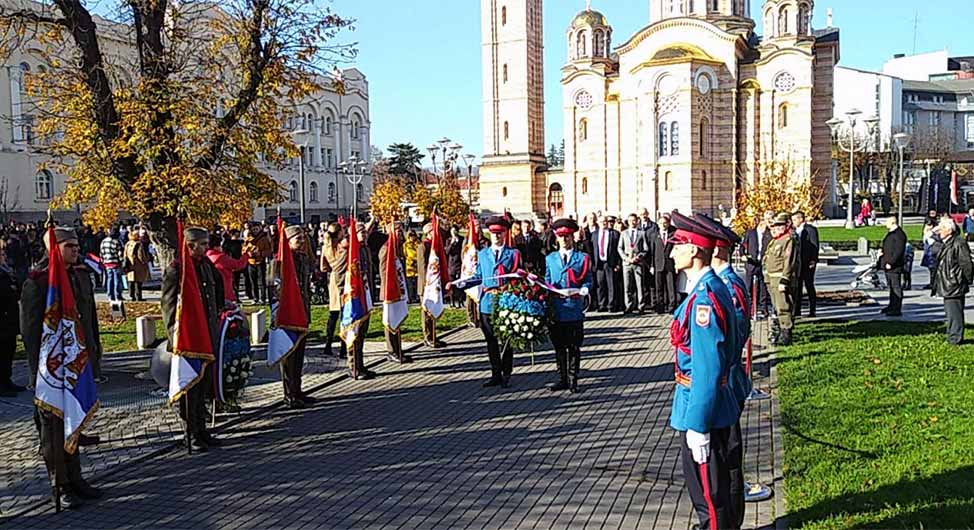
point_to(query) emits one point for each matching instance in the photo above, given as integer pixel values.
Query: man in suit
(650, 232)
(664, 266)
(807, 261)
(633, 250)
(532, 248)
(755, 242)
(607, 261)
(891, 262)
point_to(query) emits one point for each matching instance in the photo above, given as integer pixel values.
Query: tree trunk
(162, 233)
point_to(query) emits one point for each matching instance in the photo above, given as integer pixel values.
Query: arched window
(359, 192)
(331, 192)
(556, 200)
(584, 185)
(292, 192)
(582, 130)
(769, 24)
(783, 116)
(328, 125)
(598, 43)
(507, 130)
(803, 16)
(313, 192)
(704, 138)
(703, 179)
(667, 180)
(664, 143)
(356, 124)
(581, 48)
(43, 185)
(674, 139)
(783, 21)
(504, 191)
(505, 73)
(715, 6)
(503, 15)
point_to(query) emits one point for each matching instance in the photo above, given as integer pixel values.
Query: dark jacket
(808, 245)
(612, 257)
(661, 252)
(894, 248)
(211, 289)
(954, 268)
(302, 268)
(531, 247)
(755, 243)
(34, 304)
(9, 303)
(454, 258)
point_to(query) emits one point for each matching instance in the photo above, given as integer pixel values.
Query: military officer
(292, 367)
(74, 488)
(780, 271)
(192, 406)
(567, 268)
(705, 406)
(495, 260)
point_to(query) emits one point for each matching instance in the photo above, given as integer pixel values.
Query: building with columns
(680, 115)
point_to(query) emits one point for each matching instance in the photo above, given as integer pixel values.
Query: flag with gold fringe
(192, 348)
(395, 307)
(356, 299)
(290, 320)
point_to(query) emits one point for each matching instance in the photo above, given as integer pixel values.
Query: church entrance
(556, 201)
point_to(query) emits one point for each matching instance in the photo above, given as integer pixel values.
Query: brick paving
(424, 446)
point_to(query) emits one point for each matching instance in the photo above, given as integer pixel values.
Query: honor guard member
(393, 339)
(192, 406)
(293, 366)
(568, 268)
(780, 273)
(705, 406)
(74, 488)
(496, 260)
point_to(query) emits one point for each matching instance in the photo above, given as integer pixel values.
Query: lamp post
(855, 143)
(303, 148)
(350, 168)
(469, 158)
(901, 140)
(450, 154)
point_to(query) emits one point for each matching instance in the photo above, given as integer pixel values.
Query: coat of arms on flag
(436, 273)
(356, 299)
(65, 384)
(395, 307)
(290, 320)
(192, 347)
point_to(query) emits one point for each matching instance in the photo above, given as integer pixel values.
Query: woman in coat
(137, 265)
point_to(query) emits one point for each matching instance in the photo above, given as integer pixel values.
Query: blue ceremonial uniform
(577, 273)
(705, 337)
(489, 266)
(742, 310)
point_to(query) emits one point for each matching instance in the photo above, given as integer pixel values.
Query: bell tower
(512, 173)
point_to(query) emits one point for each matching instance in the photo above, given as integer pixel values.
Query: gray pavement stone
(421, 446)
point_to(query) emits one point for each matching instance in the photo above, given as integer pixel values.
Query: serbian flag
(65, 383)
(94, 262)
(436, 273)
(953, 188)
(192, 349)
(509, 237)
(395, 307)
(356, 299)
(470, 249)
(290, 321)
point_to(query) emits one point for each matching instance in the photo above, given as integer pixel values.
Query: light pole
(350, 168)
(469, 158)
(901, 140)
(847, 129)
(302, 149)
(450, 151)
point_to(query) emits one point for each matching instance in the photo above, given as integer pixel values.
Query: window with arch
(313, 192)
(584, 185)
(674, 139)
(803, 17)
(507, 130)
(292, 191)
(783, 21)
(331, 192)
(311, 121)
(503, 15)
(43, 185)
(356, 126)
(582, 130)
(704, 138)
(782, 115)
(580, 47)
(504, 191)
(328, 122)
(667, 180)
(359, 192)
(664, 143)
(598, 43)
(715, 5)
(504, 75)
(703, 179)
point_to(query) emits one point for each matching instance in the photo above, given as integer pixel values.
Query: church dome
(589, 17)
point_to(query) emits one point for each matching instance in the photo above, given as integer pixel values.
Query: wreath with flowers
(521, 314)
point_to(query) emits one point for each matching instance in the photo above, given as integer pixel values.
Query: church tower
(512, 173)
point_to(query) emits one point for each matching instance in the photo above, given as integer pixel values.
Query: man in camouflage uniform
(780, 273)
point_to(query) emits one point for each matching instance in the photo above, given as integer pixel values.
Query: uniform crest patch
(703, 316)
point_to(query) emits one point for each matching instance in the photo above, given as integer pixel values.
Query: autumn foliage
(775, 190)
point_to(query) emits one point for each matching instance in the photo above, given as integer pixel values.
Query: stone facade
(686, 110)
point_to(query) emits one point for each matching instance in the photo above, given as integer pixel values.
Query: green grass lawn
(874, 234)
(878, 427)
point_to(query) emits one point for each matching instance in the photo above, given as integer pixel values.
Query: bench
(145, 331)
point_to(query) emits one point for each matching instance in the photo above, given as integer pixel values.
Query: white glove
(699, 444)
(583, 291)
(782, 288)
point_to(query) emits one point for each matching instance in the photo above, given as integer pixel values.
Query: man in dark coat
(756, 240)
(605, 242)
(807, 261)
(74, 488)
(532, 248)
(664, 268)
(292, 367)
(9, 315)
(891, 262)
(953, 277)
(650, 232)
(192, 405)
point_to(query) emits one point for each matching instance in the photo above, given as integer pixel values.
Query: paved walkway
(424, 446)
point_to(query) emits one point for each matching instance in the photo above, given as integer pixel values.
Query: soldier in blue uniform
(495, 260)
(568, 268)
(705, 405)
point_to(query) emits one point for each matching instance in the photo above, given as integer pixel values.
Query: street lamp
(469, 158)
(856, 142)
(450, 151)
(901, 140)
(350, 168)
(304, 147)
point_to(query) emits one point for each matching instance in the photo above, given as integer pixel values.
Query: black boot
(85, 490)
(69, 500)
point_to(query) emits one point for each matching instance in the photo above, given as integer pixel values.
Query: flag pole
(57, 440)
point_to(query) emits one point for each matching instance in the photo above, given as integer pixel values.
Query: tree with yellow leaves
(199, 127)
(445, 198)
(389, 194)
(769, 194)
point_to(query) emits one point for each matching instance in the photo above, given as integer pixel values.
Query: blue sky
(422, 57)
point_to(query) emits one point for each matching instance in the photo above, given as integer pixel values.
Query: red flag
(473, 233)
(509, 237)
(290, 313)
(436, 247)
(395, 307)
(192, 334)
(356, 299)
(953, 187)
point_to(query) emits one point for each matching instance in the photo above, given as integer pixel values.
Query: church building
(681, 115)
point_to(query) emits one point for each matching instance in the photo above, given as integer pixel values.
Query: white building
(874, 94)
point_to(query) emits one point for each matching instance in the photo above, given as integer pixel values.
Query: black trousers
(192, 406)
(258, 281)
(607, 287)
(806, 284)
(8, 345)
(291, 371)
(333, 318)
(954, 315)
(51, 430)
(666, 290)
(755, 279)
(501, 362)
(895, 280)
(710, 484)
(135, 291)
(567, 338)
